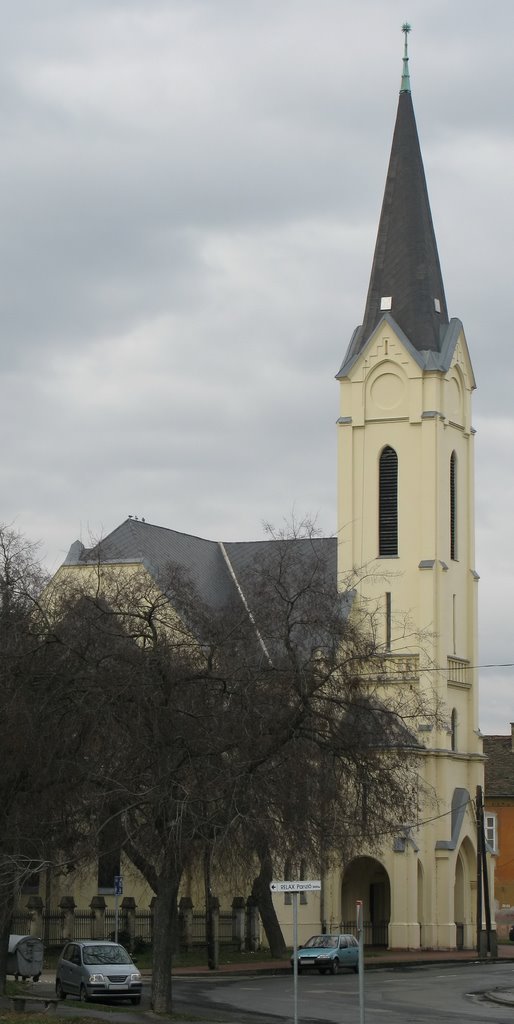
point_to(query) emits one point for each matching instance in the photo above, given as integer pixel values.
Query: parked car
(328, 953)
(97, 970)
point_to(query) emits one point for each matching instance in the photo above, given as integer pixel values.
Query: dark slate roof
(406, 264)
(157, 547)
(220, 572)
(499, 767)
(216, 569)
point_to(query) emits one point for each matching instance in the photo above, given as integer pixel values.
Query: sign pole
(294, 887)
(360, 936)
(295, 957)
(118, 891)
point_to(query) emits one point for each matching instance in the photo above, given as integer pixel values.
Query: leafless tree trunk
(262, 894)
(165, 931)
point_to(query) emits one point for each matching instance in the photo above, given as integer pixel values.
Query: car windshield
(105, 955)
(325, 941)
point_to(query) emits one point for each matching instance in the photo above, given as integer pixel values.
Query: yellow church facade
(406, 526)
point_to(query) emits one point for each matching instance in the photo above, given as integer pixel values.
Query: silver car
(97, 970)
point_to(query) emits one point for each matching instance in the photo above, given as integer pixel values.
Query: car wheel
(356, 968)
(36, 977)
(334, 966)
(135, 1000)
(83, 995)
(59, 991)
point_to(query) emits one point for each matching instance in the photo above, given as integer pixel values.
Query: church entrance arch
(366, 879)
(463, 895)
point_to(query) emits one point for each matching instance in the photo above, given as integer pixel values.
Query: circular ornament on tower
(387, 391)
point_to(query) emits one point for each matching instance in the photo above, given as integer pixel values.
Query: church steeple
(405, 528)
(406, 279)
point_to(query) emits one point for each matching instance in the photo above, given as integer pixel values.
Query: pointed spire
(406, 277)
(405, 86)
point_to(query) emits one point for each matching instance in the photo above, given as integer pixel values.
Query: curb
(503, 998)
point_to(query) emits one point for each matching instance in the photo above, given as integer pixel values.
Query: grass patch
(35, 1018)
(192, 958)
(107, 1007)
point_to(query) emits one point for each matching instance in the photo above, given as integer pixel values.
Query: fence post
(128, 907)
(214, 951)
(67, 905)
(252, 924)
(185, 921)
(98, 906)
(152, 917)
(238, 922)
(35, 905)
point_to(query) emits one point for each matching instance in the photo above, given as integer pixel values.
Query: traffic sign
(118, 885)
(306, 886)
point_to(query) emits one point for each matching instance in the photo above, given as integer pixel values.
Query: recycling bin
(25, 957)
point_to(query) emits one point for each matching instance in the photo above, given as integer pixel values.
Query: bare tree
(328, 756)
(254, 734)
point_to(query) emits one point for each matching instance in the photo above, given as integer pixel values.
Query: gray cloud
(190, 196)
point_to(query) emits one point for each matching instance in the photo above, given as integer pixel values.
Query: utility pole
(488, 939)
(479, 816)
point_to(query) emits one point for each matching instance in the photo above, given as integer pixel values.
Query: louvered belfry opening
(388, 503)
(453, 506)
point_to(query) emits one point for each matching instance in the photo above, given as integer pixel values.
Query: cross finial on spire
(405, 86)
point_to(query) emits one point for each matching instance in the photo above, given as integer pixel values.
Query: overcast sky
(190, 192)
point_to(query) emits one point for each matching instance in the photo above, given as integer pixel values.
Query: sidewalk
(372, 961)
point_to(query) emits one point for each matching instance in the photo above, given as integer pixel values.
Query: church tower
(406, 524)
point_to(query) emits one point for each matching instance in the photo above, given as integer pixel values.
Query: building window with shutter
(453, 729)
(491, 831)
(388, 502)
(388, 627)
(453, 506)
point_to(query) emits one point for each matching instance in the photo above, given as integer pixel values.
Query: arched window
(453, 729)
(453, 506)
(388, 502)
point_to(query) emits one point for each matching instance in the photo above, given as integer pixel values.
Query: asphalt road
(402, 996)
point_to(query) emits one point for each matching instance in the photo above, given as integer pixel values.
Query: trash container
(25, 957)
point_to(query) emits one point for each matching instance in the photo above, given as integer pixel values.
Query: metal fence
(21, 924)
(375, 932)
(225, 929)
(54, 924)
(143, 926)
(110, 923)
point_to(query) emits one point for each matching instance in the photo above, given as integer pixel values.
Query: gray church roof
(216, 569)
(406, 276)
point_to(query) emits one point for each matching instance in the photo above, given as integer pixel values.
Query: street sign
(307, 886)
(118, 885)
